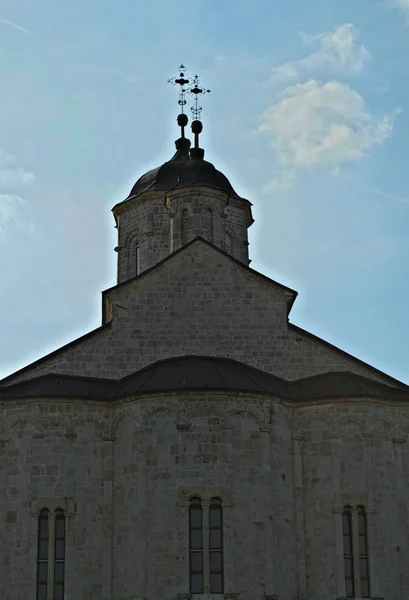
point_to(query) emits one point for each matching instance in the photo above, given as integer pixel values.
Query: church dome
(184, 169)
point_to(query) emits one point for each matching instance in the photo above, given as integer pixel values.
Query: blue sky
(308, 117)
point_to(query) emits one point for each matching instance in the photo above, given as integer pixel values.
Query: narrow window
(209, 224)
(59, 555)
(363, 552)
(42, 555)
(216, 546)
(228, 242)
(196, 546)
(348, 553)
(185, 225)
(137, 260)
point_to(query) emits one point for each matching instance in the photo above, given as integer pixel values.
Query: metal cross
(194, 89)
(182, 82)
(197, 90)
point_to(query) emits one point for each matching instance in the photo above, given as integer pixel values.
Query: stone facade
(124, 474)
(124, 471)
(201, 302)
(160, 223)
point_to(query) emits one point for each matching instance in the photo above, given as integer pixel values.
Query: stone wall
(198, 302)
(143, 222)
(54, 456)
(211, 215)
(159, 223)
(124, 474)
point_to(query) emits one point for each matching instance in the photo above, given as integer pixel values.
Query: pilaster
(299, 515)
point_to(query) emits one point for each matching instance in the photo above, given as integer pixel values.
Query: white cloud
(338, 50)
(282, 182)
(15, 26)
(10, 211)
(11, 176)
(321, 125)
(12, 205)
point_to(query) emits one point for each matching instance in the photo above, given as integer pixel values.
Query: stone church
(198, 445)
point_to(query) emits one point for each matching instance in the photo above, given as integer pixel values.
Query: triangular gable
(292, 293)
(199, 300)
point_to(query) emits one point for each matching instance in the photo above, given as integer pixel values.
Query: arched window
(228, 242)
(216, 546)
(137, 260)
(42, 555)
(209, 224)
(185, 225)
(196, 546)
(363, 552)
(59, 555)
(51, 554)
(348, 552)
(354, 526)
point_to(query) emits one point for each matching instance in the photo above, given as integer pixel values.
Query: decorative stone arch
(403, 422)
(302, 424)
(343, 421)
(227, 420)
(185, 204)
(52, 504)
(47, 423)
(134, 240)
(159, 410)
(127, 415)
(101, 425)
(209, 213)
(229, 240)
(206, 409)
(184, 214)
(355, 499)
(386, 425)
(127, 426)
(22, 418)
(206, 493)
(388, 422)
(278, 416)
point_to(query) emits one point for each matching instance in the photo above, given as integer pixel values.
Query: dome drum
(207, 214)
(169, 206)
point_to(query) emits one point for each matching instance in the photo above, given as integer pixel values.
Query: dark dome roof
(182, 171)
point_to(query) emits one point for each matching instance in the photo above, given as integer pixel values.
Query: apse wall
(124, 474)
(55, 455)
(169, 449)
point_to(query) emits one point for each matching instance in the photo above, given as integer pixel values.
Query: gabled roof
(203, 373)
(197, 239)
(72, 344)
(292, 296)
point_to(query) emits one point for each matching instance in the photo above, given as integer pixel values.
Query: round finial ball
(197, 126)
(182, 120)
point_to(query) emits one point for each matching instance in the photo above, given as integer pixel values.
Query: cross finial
(195, 89)
(182, 82)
